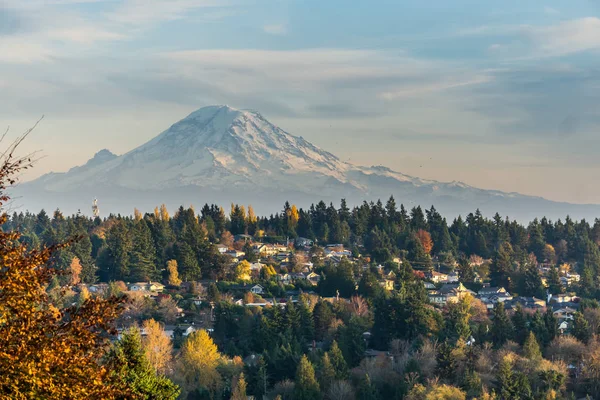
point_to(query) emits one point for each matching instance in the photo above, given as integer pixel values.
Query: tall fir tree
(501, 325)
(307, 387)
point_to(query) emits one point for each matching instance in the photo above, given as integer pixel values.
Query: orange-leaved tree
(47, 352)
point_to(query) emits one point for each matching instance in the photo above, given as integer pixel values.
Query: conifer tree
(554, 285)
(531, 348)
(501, 267)
(532, 282)
(307, 387)
(501, 326)
(366, 389)
(519, 321)
(327, 373)
(505, 382)
(338, 361)
(239, 393)
(581, 328)
(129, 365)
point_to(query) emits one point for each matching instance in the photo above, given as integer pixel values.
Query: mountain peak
(221, 112)
(104, 154)
(219, 152)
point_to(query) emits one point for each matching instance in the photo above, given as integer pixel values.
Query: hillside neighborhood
(377, 287)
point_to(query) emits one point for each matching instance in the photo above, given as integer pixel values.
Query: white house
(146, 287)
(257, 289)
(438, 277)
(256, 266)
(303, 242)
(453, 277)
(187, 330)
(285, 278)
(235, 253)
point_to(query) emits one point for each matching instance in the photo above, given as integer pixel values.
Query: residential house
(283, 257)
(98, 288)
(492, 295)
(285, 278)
(437, 277)
(564, 316)
(390, 274)
(485, 293)
(256, 267)
(222, 248)
(313, 278)
(155, 287)
(235, 253)
(259, 248)
(429, 285)
(146, 287)
(137, 287)
(244, 238)
(257, 289)
(453, 277)
(264, 303)
(563, 298)
(186, 330)
(528, 303)
(565, 313)
(387, 284)
(298, 276)
(449, 293)
(303, 242)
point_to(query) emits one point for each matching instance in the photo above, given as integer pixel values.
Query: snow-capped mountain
(220, 154)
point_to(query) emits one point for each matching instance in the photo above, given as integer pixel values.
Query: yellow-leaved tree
(158, 347)
(47, 352)
(252, 218)
(173, 274)
(75, 269)
(164, 213)
(198, 362)
(242, 271)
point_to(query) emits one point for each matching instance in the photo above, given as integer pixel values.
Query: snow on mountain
(212, 147)
(238, 153)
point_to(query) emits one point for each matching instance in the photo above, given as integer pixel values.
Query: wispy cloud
(144, 12)
(416, 90)
(23, 50)
(276, 29)
(565, 38)
(551, 11)
(84, 34)
(537, 41)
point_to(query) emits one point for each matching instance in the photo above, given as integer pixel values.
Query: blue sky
(501, 95)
